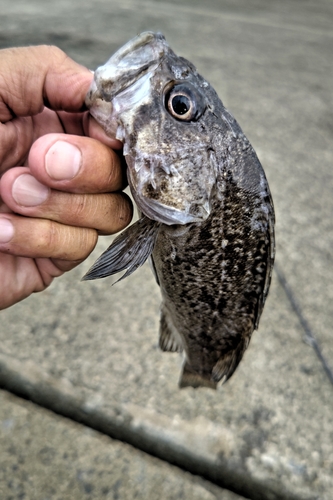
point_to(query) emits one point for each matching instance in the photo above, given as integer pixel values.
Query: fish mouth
(128, 65)
(124, 80)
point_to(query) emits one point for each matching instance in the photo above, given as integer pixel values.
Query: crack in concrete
(309, 337)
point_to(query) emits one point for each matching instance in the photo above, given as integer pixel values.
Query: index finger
(32, 77)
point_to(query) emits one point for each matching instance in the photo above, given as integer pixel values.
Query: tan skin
(50, 216)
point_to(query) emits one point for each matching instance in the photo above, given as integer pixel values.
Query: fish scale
(207, 213)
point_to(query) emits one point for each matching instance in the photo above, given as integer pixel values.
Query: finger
(23, 194)
(31, 78)
(40, 238)
(16, 138)
(21, 276)
(18, 134)
(76, 164)
(38, 76)
(93, 129)
(85, 124)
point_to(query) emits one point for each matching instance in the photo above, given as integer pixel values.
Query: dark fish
(207, 213)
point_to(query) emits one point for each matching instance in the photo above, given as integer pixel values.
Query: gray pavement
(89, 351)
(47, 456)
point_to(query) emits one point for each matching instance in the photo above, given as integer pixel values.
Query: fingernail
(27, 191)
(6, 230)
(63, 161)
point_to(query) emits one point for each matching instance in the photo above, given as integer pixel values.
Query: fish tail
(227, 364)
(189, 378)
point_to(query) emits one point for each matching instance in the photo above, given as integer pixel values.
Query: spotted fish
(207, 217)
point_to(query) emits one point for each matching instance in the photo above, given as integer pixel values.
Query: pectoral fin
(128, 251)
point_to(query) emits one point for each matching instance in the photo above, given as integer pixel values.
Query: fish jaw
(127, 65)
(126, 74)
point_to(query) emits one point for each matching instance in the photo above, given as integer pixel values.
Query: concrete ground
(88, 352)
(44, 456)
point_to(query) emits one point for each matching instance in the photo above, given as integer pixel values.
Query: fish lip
(144, 38)
(130, 64)
(127, 65)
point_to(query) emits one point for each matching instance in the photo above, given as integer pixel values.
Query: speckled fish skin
(208, 212)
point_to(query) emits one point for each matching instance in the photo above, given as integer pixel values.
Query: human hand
(59, 188)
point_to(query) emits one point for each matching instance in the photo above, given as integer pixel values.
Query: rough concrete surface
(268, 433)
(44, 456)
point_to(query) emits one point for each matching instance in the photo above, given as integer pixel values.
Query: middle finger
(23, 194)
(76, 164)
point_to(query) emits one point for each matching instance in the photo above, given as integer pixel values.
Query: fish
(206, 212)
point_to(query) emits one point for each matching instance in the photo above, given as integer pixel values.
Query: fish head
(157, 104)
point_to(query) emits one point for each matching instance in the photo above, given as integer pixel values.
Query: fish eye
(184, 102)
(180, 105)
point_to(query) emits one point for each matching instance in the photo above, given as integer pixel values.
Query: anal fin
(169, 340)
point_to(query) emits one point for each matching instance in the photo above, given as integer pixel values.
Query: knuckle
(47, 238)
(125, 213)
(80, 205)
(52, 52)
(118, 214)
(66, 242)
